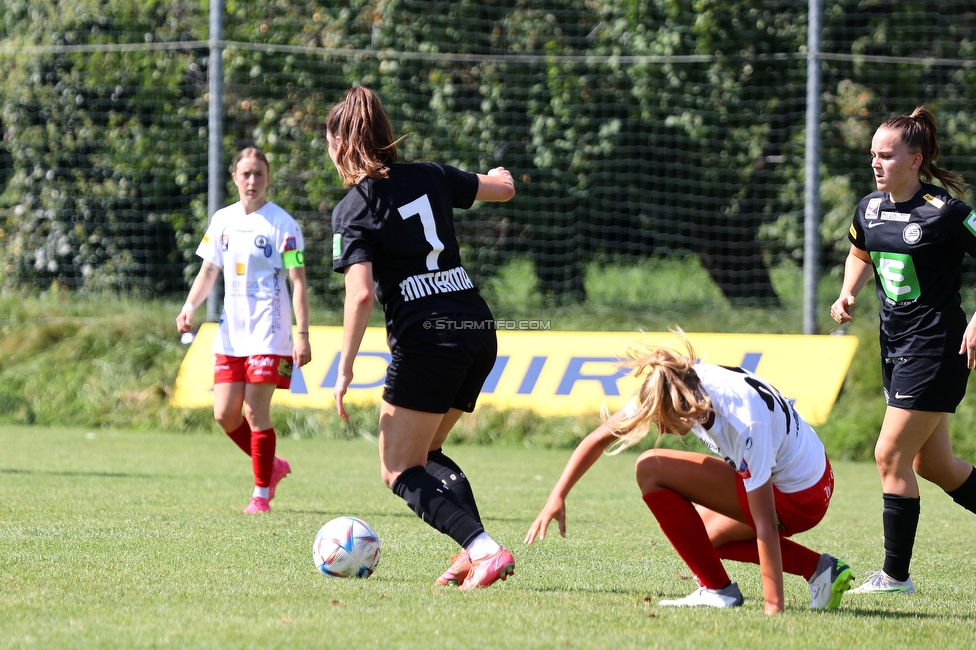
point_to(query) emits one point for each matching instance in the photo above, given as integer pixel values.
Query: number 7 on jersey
(421, 207)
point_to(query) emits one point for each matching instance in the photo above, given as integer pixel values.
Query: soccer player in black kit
(912, 236)
(394, 239)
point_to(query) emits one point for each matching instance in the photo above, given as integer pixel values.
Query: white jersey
(758, 431)
(250, 249)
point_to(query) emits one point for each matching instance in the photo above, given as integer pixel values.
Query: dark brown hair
(919, 134)
(366, 148)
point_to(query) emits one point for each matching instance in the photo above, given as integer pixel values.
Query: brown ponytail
(366, 148)
(919, 133)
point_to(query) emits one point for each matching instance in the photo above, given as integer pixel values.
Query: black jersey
(404, 225)
(917, 249)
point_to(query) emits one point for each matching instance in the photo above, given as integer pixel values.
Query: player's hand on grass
(555, 508)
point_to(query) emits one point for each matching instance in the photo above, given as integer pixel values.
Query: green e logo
(897, 274)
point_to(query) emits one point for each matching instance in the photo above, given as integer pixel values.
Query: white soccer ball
(346, 547)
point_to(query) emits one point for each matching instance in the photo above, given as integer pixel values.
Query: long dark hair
(919, 134)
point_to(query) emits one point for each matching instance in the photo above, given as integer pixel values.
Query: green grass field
(127, 539)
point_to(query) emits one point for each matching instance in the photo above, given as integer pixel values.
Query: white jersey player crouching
(770, 481)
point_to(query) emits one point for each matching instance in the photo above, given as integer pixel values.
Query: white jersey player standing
(256, 243)
(770, 481)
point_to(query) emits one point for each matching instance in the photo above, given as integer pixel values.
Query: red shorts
(255, 369)
(795, 511)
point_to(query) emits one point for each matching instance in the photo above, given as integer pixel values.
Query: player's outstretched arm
(584, 456)
(496, 185)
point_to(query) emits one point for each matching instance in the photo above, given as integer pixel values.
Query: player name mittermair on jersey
(425, 284)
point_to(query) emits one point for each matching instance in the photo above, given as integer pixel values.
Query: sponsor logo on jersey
(912, 233)
(898, 277)
(970, 222)
(224, 242)
(336, 246)
(206, 238)
(853, 231)
(425, 284)
(290, 244)
(934, 200)
(284, 367)
(872, 210)
(239, 268)
(895, 216)
(875, 223)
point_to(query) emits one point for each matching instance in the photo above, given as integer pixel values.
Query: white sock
(262, 492)
(482, 547)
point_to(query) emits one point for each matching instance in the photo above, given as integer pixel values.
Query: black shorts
(441, 363)
(925, 383)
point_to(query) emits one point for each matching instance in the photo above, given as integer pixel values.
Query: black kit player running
(394, 239)
(911, 236)
(917, 249)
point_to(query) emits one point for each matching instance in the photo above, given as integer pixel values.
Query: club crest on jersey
(912, 233)
(262, 242)
(872, 210)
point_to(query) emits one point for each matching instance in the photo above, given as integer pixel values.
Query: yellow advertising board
(553, 373)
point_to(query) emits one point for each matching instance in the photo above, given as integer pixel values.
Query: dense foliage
(634, 128)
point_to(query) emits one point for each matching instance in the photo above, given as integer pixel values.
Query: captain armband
(293, 259)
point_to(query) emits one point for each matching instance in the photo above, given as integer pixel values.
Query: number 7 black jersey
(404, 225)
(917, 249)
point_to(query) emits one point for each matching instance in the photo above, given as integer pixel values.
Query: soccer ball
(346, 547)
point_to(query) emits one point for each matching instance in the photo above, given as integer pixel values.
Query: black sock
(965, 494)
(436, 505)
(447, 472)
(900, 519)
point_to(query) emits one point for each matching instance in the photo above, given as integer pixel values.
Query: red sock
(262, 456)
(242, 437)
(685, 530)
(797, 559)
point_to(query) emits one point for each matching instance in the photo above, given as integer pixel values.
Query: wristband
(188, 306)
(305, 333)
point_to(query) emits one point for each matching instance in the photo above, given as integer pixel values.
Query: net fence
(638, 132)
